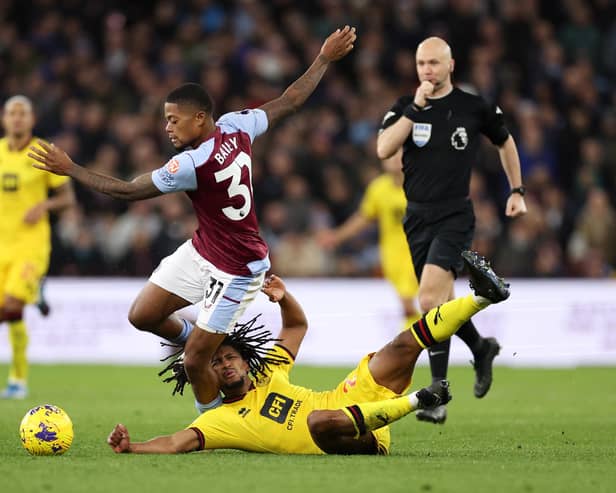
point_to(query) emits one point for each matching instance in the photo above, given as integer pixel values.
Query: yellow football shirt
(385, 202)
(21, 188)
(273, 416)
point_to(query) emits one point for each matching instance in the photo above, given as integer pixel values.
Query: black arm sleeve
(396, 111)
(493, 124)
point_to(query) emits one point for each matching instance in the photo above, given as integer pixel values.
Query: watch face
(520, 190)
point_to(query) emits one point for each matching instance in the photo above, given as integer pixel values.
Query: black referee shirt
(444, 143)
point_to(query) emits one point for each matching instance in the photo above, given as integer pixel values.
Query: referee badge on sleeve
(421, 133)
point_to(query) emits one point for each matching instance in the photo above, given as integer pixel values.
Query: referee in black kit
(439, 130)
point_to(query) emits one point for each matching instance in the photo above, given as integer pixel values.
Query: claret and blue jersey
(217, 176)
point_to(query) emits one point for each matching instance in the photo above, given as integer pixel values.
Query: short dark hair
(193, 94)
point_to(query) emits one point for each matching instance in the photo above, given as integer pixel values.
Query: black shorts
(437, 233)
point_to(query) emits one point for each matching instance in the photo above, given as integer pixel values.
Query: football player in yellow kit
(384, 203)
(267, 413)
(25, 233)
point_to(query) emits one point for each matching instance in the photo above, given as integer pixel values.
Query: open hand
(51, 158)
(118, 439)
(338, 44)
(274, 288)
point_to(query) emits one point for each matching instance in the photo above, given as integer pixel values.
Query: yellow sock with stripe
(370, 416)
(440, 323)
(18, 337)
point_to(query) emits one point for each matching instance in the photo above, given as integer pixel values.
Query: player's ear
(201, 117)
(452, 62)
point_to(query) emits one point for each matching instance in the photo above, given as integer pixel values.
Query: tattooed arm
(55, 160)
(336, 46)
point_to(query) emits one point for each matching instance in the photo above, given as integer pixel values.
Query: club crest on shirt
(173, 166)
(421, 133)
(459, 139)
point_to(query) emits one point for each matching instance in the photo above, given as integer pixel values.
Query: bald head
(434, 64)
(434, 47)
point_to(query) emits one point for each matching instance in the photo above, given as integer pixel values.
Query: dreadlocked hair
(252, 344)
(250, 340)
(176, 367)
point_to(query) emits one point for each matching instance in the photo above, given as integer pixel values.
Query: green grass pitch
(536, 431)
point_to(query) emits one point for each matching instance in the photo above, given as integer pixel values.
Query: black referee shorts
(438, 232)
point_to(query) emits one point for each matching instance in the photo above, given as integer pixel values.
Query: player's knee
(427, 301)
(321, 423)
(404, 345)
(141, 319)
(11, 314)
(194, 363)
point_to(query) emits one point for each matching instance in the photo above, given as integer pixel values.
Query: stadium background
(98, 72)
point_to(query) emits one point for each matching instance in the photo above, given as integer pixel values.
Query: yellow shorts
(358, 387)
(20, 278)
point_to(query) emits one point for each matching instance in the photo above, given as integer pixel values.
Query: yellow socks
(440, 323)
(373, 415)
(18, 337)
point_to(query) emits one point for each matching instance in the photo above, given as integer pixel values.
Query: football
(46, 430)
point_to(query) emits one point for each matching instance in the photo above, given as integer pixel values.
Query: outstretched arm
(294, 323)
(331, 238)
(55, 160)
(182, 441)
(336, 46)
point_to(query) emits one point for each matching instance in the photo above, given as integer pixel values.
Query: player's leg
(389, 371)
(176, 283)
(378, 381)
(198, 353)
(399, 271)
(153, 311)
(422, 228)
(12, 314)
(392, 366)
(20, 288)
(449, 245)
(225, 300)
(484, 349)
(435, 288)
(350, 430)
(335, 432)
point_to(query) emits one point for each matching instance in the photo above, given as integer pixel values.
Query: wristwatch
(521, 190)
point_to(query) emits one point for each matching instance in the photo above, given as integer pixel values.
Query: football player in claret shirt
(223, 266)
(263, 411)
(27, 195)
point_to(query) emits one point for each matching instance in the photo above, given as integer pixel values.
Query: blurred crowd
(98, 73)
